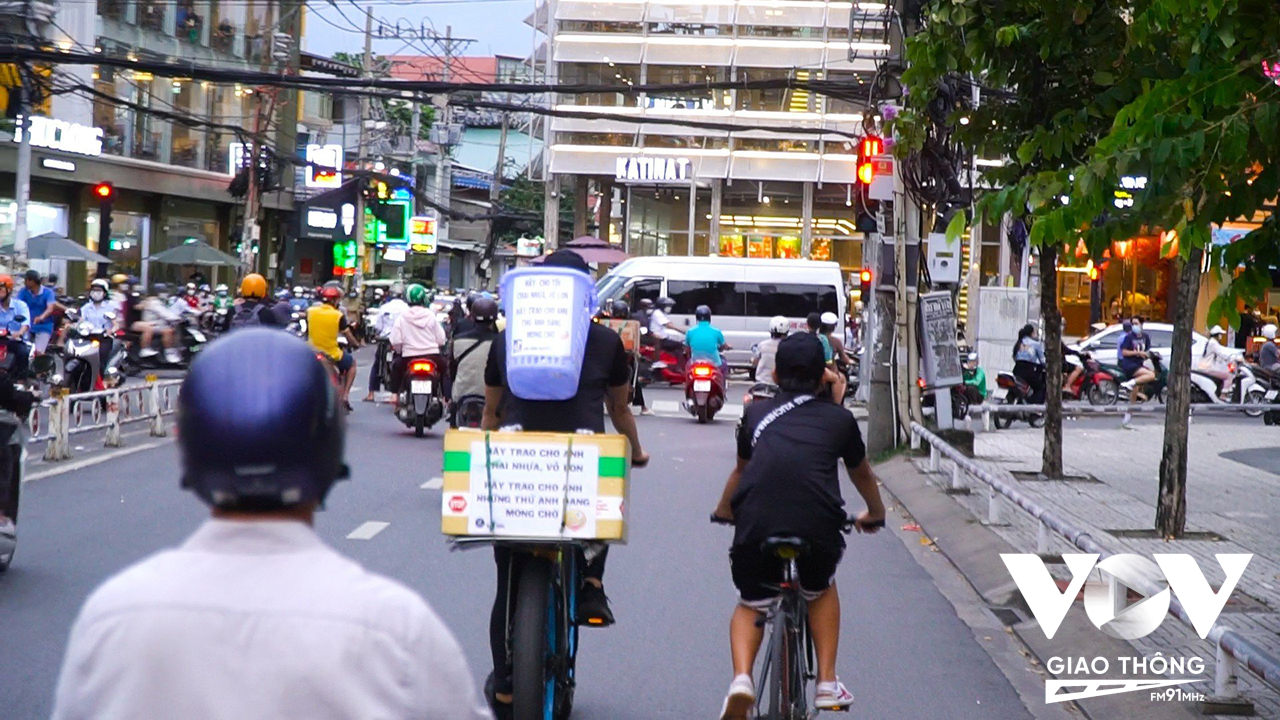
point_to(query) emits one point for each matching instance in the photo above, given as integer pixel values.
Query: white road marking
(61, 468)
(368, 530)
(434, 483)
(671, 408)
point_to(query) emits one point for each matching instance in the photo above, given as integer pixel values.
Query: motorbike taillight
(703, 371)
(422, 366)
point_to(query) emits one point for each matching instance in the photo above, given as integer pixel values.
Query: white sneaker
(833, 696)
(148, 352)
(172, 356)
(742, 695)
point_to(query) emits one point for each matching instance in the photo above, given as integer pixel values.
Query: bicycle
(788, 671)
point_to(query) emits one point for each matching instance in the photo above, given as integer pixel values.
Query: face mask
(1137, 329)
(97, 295)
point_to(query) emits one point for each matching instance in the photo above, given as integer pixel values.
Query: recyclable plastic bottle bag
(548, 316)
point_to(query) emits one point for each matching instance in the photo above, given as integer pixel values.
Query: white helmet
(779, 326)
(1217, 330)
(1269, 331)
(829, 318)
(858, 306)
(99, 283)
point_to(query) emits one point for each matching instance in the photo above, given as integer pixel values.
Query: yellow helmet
(253, 286)
(119, 279)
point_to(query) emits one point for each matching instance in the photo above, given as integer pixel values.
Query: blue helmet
(259, 426)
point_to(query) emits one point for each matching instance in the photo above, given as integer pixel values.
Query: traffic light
(1094, 274)
(106, 194)
(864, 279)
(870, 147)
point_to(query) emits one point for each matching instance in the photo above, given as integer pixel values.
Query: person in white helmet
(1216, 359)
(764, 354)
(1269, 353)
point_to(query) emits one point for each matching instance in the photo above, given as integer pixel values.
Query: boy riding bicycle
(786, 483)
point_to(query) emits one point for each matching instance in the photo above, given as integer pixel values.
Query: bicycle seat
(785, 546)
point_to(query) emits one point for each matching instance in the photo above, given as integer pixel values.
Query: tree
(1041, 70)
(1195, 114)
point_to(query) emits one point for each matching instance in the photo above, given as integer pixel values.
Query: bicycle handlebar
(846, 527)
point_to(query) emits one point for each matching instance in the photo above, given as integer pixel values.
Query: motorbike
(704, 390)
(191, 340)
(77, 363)
(1154, 390)
(298, 325)
(1245, 389)
(962, 397)
(215, 321)
(13, 440)
(664, 365)
(1016, 392)
(760, 391)
(421, 396)
(1095, 384)
(1271, 397)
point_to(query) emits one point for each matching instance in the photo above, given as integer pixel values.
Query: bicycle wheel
(565, 653)
(533, 634)
(778, 669)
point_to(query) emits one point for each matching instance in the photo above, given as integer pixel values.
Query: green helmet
(415, 295)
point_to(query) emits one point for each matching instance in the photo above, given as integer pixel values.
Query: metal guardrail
(55, 420)
(1231, 648)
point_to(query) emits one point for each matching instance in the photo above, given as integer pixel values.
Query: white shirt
(251, 620)
(658, 324)
(1216, 357)
(95, 313)
(386, 315)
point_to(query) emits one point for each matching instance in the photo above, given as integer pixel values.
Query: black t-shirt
(604, 365)
(791, 485)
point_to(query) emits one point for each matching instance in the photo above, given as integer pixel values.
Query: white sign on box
(541, 321)
(522, 491)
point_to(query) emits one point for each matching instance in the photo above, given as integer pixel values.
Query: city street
(667, 656)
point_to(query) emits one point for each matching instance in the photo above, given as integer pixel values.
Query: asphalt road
(905, 651)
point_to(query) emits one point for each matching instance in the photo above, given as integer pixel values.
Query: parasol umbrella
(52, 246)
(594, 250)
(195, 253)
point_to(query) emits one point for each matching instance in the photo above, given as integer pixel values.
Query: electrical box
(943, 259)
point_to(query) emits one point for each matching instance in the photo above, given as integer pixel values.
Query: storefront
(1135, 277)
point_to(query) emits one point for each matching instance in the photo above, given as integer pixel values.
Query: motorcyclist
(705, 341)
(43, 303)
(603, 381)
(15, 318)
(975, 378)
(325, 322)
(471, 351)
(157, 315)
(254, 309)
(416, 334)
(254, 615)
(814, 322)
(100, 313)
(664, 332)
(842, 359)
(1269, 353)
(383, 320)
(766, 352)
(299, 301)
(1216, 360)
(222, 299)
(1029, 361)
(1135, 349)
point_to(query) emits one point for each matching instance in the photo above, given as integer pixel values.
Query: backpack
(246, 317)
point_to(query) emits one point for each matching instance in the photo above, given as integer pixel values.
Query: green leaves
(955, 228)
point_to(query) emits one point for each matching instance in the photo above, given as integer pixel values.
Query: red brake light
(422, 366)
(702, 371)
(920, 382)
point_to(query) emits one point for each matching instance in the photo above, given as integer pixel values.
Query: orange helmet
(253, 286)
(7, 282)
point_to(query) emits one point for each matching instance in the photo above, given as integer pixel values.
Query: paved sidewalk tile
(1233, 490)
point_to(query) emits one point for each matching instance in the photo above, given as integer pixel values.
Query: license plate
(702, 386)
(1271, 394)
(420, 387)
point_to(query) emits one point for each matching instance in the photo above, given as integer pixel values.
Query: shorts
(757, 575)
(41, 340)
(346, 363)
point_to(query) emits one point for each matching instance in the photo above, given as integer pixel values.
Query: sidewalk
(1233, 491)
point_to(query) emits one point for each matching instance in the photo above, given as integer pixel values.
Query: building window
(601, 26)
(189, 24)
(151, 14)
(600, 74)
(581, 138)
(779, 32)
(775, 99)
(846, 106)
(113, 9)
(773, 145)
(111, 117)
(187, 143)
(688, 99)
(228, 21)
(699, 29)
(685, 141)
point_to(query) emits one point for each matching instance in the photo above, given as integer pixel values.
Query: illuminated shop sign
(652, 169)
(60, 135)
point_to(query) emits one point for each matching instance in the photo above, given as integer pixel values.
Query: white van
(743, 294)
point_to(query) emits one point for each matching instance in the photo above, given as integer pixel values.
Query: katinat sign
(70, 137)
(652, 169)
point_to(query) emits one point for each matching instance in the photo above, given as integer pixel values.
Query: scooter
(13, 440)
(1271, 397)
(1245, 388)
(76, 365)
(190, 341)
(1154, 389)
(1094, 384)
(664, 365)
(704, 390)
(421, 396)
(1016, 392)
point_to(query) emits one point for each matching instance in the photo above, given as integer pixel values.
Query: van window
(1160, 338)
(642, 289)
(723, 297)
(790, 299)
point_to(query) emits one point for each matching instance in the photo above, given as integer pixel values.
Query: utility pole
(485, 271)
(249, 228)
(446, 117)
(366, 62)
(22, 181)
